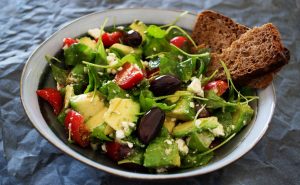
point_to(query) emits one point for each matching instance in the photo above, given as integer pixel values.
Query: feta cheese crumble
(182, 147)
(218, 131)
(120, 134)
(95, 32)
(195, 87)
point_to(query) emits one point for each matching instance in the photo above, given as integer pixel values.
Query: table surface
(27, 158)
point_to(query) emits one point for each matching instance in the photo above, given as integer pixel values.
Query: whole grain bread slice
(217, 32)
(257, 53)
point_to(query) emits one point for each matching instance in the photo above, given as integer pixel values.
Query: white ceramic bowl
(36, 65)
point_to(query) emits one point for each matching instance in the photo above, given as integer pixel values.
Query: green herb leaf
(99, 131)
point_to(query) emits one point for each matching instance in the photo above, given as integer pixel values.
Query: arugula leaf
(132, 58)
(94, 80)
(214, 101)
(111, 90)
(168, 65)
(155, 45)
(60, 75)
(156, 32)
(98, 132)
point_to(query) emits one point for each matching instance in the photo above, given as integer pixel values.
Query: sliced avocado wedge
(88, 42)
(121, 50)
(183, 110)
(122, 111)
(241, 117)
(200, 124)
(200, 141)
(88, 104)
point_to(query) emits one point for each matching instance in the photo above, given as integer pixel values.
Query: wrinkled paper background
(27, 158)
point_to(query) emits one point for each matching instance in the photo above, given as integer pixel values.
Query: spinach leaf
(185, 69)
(194, 160)
(101, 56)
(77, 53)
(225, 118)
(156, 32)
(155, 45)
(78, 78)
(168, 65)
(60, 75)
(99, 131)
(147, 102)
(94, 80)
(111, 90)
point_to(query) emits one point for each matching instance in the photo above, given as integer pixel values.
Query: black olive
(164, 85)
(132, 38)
(150, 125)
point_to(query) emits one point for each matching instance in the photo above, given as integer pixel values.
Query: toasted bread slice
(216, 31)
(257, 53)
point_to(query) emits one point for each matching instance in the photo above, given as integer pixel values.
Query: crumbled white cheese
(130, 145)
(198, 123)
(173, 119)
(182, 147)
(120, 134)
(103, 147)
(168, 141)
(120, 27)
(100, 73)
(195, 87)
(168, 151)
(112, 59)
(180, 57)
(244, 122)
(218, 131)
(127, 95)
(161, 170)
(192, 105)
(95, 32)
(154, 49)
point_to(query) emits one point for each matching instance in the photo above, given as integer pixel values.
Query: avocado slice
(169, 124)
(69, 93)
(140, 27)
(88, 42)
(184, 129)
(121, 50)
(241, 117)
(183, 110)
(88, 104)
(162, 152)
(121, 111)
(200, 141)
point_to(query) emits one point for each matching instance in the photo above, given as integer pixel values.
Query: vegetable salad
(139, 94)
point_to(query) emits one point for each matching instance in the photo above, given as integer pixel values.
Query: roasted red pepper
(53, 97)
(129, 76)
(109, 39)
(218, 86)
(74, 123)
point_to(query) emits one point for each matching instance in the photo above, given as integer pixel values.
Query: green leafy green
(60, 75)
(99, 131)
(156, 32)
(133, 59)
(195, 160)
(155, 45)
(77, 53)
(78, 78)
(214, 101)
(94, 80)
(136, 157)
(147, 101)
(185, 69)
(111, 90)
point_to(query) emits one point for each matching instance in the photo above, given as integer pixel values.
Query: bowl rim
(120, 172)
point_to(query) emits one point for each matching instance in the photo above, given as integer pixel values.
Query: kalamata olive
(150, 125)
(132, 38)
(164, 85)
(204, 113)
